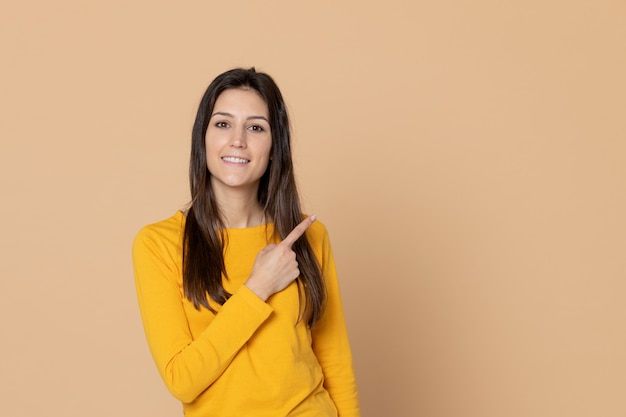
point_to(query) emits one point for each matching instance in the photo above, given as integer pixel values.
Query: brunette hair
(204, 237)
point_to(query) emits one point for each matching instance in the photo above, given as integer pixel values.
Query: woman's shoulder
(167, 231)
(317, 232)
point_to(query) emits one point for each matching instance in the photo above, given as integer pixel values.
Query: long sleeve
(331, 345)
(187, 366)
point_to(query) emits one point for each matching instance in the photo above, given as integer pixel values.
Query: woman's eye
(257, 128)
(221, 124)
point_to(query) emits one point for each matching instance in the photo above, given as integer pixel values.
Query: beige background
(469, 159)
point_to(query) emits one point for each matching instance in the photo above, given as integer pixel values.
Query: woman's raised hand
(275, 266)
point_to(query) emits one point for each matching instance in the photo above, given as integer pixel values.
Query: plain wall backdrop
(468, 158)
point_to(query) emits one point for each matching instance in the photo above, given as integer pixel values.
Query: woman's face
(238, 140)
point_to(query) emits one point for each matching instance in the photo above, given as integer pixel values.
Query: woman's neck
(240, 208)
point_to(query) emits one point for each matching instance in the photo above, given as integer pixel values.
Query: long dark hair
(204, 238)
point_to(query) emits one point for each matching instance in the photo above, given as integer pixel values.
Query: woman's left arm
(330, 341)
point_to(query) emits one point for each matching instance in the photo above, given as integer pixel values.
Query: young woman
(238, 294)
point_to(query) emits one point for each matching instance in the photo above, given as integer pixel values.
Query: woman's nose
(238, 138)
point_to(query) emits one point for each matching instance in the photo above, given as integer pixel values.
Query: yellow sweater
(252, 358)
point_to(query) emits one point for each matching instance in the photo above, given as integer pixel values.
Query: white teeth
(235, 160)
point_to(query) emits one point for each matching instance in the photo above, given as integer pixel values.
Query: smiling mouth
(235, 160)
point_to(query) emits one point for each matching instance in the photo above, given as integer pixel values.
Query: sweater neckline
(265, 227)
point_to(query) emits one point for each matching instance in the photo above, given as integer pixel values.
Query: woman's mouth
(235, 160)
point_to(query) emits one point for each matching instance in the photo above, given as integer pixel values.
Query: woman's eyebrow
(221, 113)
(259, 117)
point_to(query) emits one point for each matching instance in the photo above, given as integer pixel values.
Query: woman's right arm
(187, 366)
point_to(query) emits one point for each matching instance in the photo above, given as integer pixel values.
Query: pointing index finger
(298, 231)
